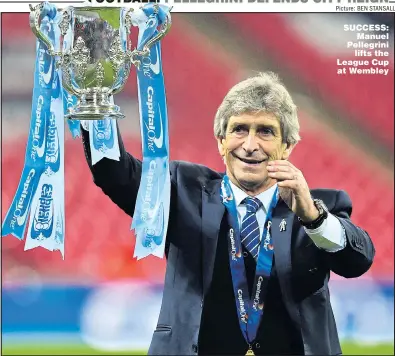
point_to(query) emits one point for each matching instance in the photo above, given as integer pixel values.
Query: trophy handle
(36, 15)
(67, 83)
(133, 56)
(164, 29)
(35, 18)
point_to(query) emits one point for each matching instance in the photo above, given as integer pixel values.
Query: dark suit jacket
(195, 217)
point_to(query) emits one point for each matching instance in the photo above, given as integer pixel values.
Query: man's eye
(239, 129)
(266, 131)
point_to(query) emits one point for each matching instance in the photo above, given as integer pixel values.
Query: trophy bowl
(95, 57)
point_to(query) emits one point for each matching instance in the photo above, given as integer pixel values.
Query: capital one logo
(43, 217)
(155, 140)
(21, 210)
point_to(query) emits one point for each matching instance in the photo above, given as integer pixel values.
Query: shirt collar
(265, 197)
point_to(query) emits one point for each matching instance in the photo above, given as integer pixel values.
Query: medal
(250, 352)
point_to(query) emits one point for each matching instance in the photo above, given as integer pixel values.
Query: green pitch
(70, 349)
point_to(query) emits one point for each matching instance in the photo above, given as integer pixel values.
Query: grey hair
(262, 93)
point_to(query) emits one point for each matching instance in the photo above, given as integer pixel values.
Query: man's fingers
(288, 175)
(279, 169)
(288, 183)
(281, 162)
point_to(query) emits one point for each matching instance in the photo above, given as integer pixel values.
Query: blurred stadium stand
(311, 55)
(198, 72)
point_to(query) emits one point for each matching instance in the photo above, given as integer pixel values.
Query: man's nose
(250, 144)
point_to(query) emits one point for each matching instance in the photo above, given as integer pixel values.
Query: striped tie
(249, 226)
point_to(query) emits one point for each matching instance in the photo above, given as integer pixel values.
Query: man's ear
(221, 146)
(287, 151)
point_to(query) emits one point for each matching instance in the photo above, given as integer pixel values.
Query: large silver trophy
(96, 63)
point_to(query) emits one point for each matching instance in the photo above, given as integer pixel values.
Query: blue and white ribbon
(16, 219)
(69, 101)
(151, 215)
(46, 225)
(103, 139)
(41, 189)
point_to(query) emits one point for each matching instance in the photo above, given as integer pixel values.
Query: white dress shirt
(330, 236)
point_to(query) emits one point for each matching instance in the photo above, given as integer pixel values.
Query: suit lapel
(212, 213)
(282, 255)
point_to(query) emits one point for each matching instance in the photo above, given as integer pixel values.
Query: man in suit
(256, 237)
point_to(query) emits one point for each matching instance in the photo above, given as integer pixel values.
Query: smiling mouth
(248, 161)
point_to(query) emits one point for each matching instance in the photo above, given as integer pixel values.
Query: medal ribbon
(250, 310)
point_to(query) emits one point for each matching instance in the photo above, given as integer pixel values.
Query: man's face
(251, 141)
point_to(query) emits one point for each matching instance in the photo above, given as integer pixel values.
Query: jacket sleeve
(357, 256)
(120, 180)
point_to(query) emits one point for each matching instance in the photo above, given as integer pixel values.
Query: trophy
(87, 52)
(96, 62)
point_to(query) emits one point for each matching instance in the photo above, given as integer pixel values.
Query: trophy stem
(95, 105)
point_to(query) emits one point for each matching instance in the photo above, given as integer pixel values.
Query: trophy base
(94, 106)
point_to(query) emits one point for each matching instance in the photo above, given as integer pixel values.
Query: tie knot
(252, 204)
